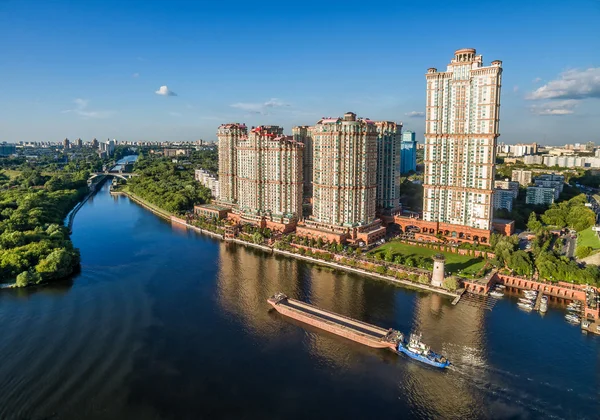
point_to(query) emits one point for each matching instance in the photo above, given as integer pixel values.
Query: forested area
(170, 186)
(34, 245)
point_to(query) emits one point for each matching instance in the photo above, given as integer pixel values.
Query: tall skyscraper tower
(269, 176)
(461, 131)
(388, 165)
(409, 152)
(344, 171)
(228, 135)
(303, 135)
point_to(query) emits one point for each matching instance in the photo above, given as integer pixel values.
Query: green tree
(533, 224)
(26, 278)
(257, 238)
(583, 251)
(451, 283)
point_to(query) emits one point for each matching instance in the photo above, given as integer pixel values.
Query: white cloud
(415, 114)
(572, 84)
(260, 108)
(81, 109)
(135, 75)
(165, 91)
(555, 108)
(537, 80)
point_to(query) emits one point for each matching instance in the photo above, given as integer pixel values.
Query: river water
(163, 323)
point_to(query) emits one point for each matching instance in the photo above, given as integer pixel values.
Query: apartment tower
(228, 136)
(303, 135)
(268, 177)
(461, 132)
(388, 165)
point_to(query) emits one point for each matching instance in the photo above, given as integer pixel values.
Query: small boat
(526, 306)
(496, 294)
(417, 350)
(531, 293)
(526, 300)
(573, 318)
(544, 304)
(586, 324)
(500, 286)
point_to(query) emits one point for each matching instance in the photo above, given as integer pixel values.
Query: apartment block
(522, 177)
(409, 152)
(512, 186)
(303, 135)
(389, 141)
(540, 195)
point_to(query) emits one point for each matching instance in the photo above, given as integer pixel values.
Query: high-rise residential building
(66, 144)
(540, 195)
(512, 186)
(503, 199)
(388, 164)
(79, 142)
(521, 176)
(462, 127)
(228, 136)
(409, 152)
(269, 178)
(7, 149)
(95, 143)
(344, 181)
(303, 135)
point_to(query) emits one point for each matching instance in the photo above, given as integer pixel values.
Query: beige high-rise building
(268, 175)
(303, 135)
(462, 127)
(344, 180)
(344, 171)
(228, 136)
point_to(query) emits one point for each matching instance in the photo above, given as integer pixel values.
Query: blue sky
(93, 68)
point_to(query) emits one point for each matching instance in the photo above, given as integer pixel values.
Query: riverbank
(271, 250)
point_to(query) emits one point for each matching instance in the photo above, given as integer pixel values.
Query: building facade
(228, 136)
(522, 177)
(389, 142)
(540, 195)
(409, 152)
(344, 181)
(208, 180)
(512, 186)
(303, 135)
(462, 127)
(503, 199)
(269, 177)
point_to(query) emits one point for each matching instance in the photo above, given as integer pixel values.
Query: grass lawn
(588, 238)
(454, 262)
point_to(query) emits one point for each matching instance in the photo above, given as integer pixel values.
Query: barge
(361, 332)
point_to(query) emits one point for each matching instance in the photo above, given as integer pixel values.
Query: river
(163, 323)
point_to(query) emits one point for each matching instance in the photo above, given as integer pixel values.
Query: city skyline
(166, 74)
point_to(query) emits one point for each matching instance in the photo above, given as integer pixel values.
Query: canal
(163, 323)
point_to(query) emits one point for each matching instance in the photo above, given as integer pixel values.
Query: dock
(352, 329)
(538, 301)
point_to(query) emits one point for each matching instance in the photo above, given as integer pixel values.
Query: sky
(175, 70)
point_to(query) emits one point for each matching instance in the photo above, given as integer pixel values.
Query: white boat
(496, 294)
(526, 306)
(526, 300)
(544, 304)
(573, 318)
(530, 293)
(500, 286)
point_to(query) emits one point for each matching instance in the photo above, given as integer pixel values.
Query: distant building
(511, 186)
(388, 164)
(533, 160)
(66, 144)
(228, 136)
(7, 149)
(540, 195)
(522, 177)
(176, 152)
(551, 181)
(79, 143)
(303, 135)
(409, 152)
(95, 144)
(208, 180)
(503, 199)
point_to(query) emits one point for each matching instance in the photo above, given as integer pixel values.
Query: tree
(389, 255)
(521, 263)
(450, 283)
(533, 224)
(583, 251)
(26, 278)
(257, 238)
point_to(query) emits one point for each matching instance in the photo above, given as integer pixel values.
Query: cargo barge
(361, 332)
(354, 330)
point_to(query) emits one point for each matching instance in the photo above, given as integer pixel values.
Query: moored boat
(417, 350)
(544, 304)
(526, 306)
(496, 294)
(573, 318)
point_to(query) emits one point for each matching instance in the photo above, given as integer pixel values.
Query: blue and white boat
(416, 349)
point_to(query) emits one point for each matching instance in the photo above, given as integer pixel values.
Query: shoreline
(404, 283)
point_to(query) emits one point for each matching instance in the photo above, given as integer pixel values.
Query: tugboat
(416, 349)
